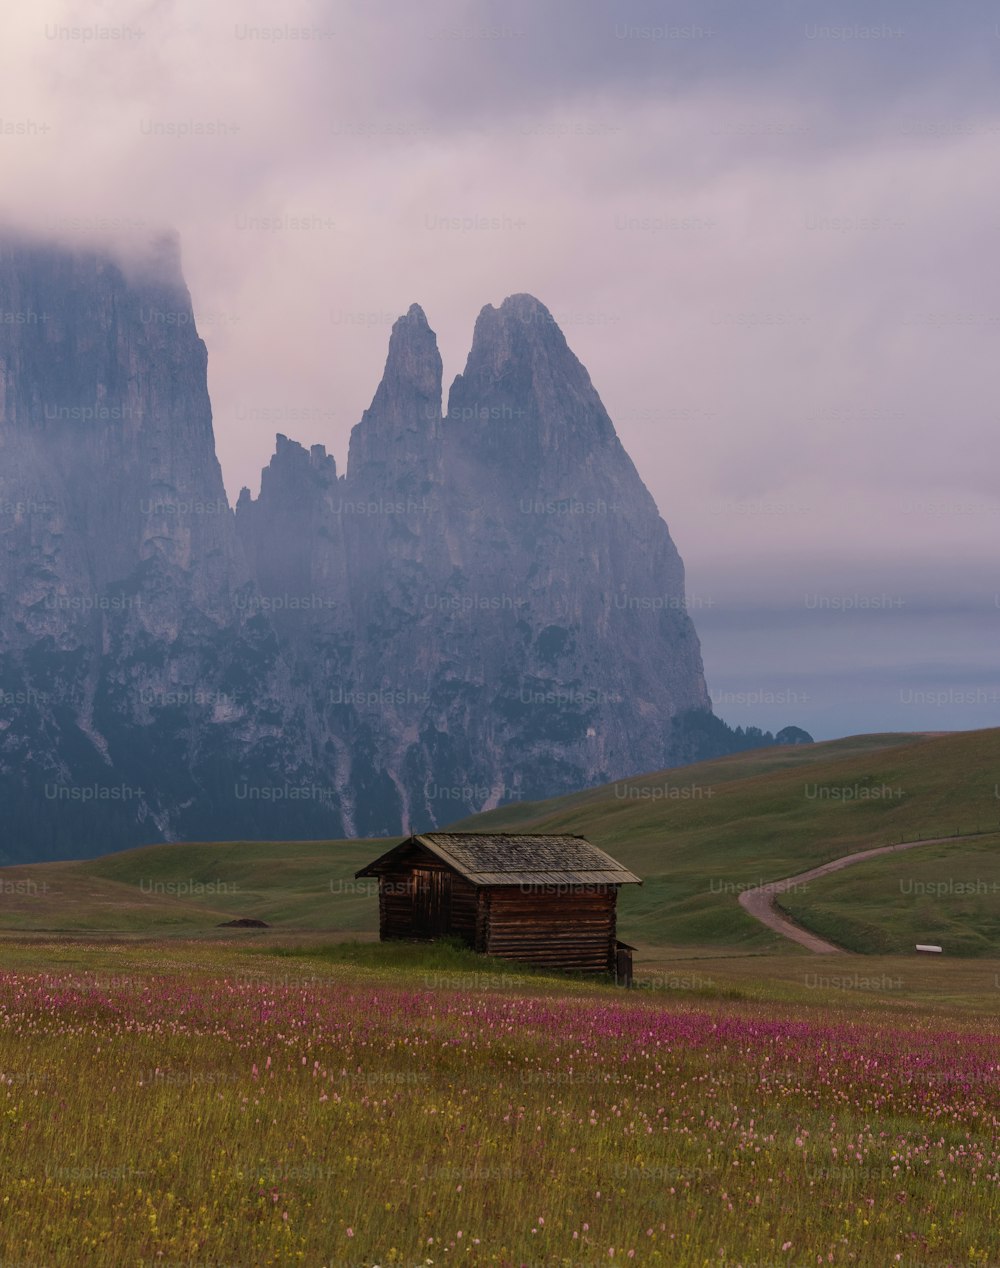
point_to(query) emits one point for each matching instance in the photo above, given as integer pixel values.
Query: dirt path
(759, 902)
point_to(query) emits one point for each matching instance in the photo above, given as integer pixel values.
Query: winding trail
(759, 901)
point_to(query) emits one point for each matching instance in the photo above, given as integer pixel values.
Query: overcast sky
(768, 230)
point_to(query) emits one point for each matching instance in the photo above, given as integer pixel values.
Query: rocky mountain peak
(521, 333)
(403, 420)
(129, 623)
(487, 607)
(524, 393)
(290, 459)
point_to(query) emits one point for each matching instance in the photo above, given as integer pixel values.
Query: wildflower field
(200, 1105)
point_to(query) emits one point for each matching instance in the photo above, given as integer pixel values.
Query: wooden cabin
(546, 900)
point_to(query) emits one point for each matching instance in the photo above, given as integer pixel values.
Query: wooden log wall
(565, 927)
(395, 905)
(464, 905)
(396, 902)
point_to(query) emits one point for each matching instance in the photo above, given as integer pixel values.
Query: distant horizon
(797, 691)
(777, 286)
(269, 609)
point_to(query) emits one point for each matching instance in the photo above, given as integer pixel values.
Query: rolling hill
(947, 895)
(700, 834)
(697, 835)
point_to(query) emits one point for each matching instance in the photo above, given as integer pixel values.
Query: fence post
(623, 966)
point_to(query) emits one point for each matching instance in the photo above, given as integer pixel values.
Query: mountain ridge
(485, 597)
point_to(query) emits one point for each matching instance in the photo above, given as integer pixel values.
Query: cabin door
(431, 902)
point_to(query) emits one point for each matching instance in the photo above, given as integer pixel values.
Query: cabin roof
(521, 858)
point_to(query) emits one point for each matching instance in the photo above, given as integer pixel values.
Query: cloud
(768, 235)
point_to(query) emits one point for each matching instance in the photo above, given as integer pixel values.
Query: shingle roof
(497, 858)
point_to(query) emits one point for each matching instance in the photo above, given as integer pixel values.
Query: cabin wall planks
(563, 920)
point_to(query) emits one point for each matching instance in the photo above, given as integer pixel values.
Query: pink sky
(774, 250)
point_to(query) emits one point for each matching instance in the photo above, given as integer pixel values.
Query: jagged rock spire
(405, 414)
(523, 387)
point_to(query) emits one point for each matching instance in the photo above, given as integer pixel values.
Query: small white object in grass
(924, 947)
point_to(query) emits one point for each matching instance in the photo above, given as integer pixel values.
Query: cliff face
(514, 610)
(142, 694)
(557, 517)
(486, 606)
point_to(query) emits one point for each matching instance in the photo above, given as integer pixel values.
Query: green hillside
(700, 834)
(697, 835)
(191, 888)
(947, 895)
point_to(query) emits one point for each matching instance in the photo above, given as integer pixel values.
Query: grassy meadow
(199, 1103)
(177, 1093)
(700, 834)
(947, 894)
(696, 835)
